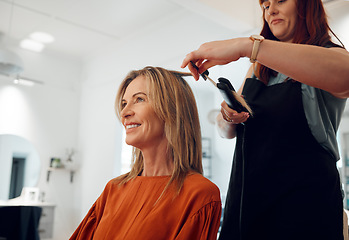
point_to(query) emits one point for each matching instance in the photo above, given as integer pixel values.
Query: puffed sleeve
(204, 224)
(87, 227)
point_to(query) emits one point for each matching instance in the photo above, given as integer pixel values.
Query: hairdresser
(284, 182)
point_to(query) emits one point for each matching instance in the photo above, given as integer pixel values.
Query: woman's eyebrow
(134, 95)
(139, 93)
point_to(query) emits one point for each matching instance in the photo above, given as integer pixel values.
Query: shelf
(51, 169)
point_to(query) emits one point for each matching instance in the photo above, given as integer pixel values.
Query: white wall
(47, 116)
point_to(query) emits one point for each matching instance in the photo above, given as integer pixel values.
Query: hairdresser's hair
(173, 101)
(311, 28)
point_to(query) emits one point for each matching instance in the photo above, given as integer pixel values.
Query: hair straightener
(234, 100)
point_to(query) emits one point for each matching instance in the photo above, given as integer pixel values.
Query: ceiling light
(10, 63)
(26, 81)
(23, 82)
(42, 37)
(32, 45)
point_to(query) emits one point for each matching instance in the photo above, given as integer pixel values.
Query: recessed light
(42, 37)
(32, 45)
(23, 82)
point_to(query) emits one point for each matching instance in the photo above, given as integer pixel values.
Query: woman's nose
(273, 9)
(126, 112)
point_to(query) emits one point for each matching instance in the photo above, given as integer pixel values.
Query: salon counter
(45, 226)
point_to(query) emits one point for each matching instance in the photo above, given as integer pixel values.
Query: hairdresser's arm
(227, 129)
(324, 68)
(319, 67)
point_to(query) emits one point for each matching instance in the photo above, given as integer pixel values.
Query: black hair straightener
(234, 100)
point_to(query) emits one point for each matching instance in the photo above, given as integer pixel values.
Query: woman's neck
(156, 161)
(156, 171)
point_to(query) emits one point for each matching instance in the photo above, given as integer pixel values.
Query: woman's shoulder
(112, 186)
(112, 183)
(197, 184)
(196, 177)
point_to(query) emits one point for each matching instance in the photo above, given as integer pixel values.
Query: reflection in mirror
(19, 165)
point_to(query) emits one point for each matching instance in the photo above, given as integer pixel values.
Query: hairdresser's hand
(232, 116)
(217, 53)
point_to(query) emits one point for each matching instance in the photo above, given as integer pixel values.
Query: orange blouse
(133, 211)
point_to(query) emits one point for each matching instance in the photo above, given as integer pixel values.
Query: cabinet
(46, 222)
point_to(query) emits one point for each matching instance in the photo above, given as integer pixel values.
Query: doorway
(17, 177)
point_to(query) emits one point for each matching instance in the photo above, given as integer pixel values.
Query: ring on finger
(226, 117)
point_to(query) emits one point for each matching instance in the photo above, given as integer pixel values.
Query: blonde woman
(164, 196)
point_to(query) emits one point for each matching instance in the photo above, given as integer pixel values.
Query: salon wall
(47, 116)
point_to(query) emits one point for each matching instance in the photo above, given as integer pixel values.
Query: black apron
(284, 184)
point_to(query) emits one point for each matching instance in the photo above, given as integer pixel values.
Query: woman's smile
(130, 126)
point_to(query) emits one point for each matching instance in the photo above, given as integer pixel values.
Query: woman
(164, 196)
(284, 182)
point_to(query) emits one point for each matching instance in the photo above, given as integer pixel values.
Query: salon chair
(19, 222)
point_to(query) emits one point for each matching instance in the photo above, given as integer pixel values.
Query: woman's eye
(123, 105)
(265, 6)
(139, 99)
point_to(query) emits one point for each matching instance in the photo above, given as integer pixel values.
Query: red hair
(311, 28)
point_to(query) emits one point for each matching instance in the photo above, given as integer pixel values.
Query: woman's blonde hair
(173, 101)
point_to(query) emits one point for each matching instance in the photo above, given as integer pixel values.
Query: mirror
(19, 165)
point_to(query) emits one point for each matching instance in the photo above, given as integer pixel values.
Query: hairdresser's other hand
(232, 116)
(217, 53)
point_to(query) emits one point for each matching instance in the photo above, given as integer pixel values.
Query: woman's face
(143, 127)
(281, 16)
